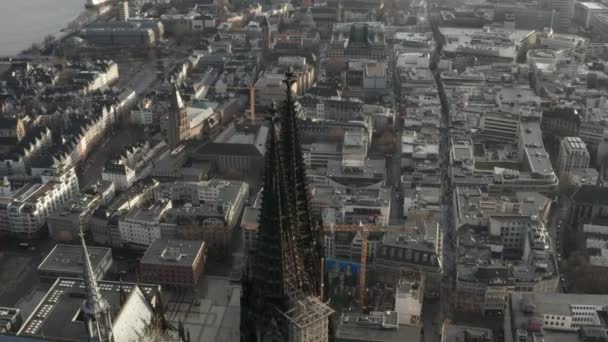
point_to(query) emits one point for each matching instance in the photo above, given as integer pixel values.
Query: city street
(109, 148)
(394, 161)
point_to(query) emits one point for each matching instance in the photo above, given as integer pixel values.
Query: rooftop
(172, 252)
(526, 307)
(377, 326)
(575, 143)
(463, 333)
(68, 259)
(56, 316)
(591, 194)
(593, 6)
(151, 212)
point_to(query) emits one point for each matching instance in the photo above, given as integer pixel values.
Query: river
(23, 22)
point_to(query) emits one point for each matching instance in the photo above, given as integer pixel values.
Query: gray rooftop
(550, 303)
(172, 252)
(376, 327)
(54, 316)
(68, 258)
(460, 333)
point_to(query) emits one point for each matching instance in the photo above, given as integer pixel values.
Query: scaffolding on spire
(282, 283)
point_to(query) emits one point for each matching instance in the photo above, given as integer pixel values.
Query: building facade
(173, 262)
(179, 126)
(573, 154)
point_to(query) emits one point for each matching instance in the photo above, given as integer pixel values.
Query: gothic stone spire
(95, 309)
(298, 184)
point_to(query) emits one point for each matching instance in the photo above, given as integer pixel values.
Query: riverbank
(43, 17)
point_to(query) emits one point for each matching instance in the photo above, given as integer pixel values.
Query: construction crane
(251, 89)
(363, 270)
(364, 230)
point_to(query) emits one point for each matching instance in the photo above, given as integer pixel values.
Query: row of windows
(584, 307)
(409, 255)
(554, 323)
(584, 319)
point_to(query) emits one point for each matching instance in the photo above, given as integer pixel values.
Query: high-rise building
(283, 282)
(573, 154)
(585, 11)
(123, 11)
(563, 14)
(178, 120)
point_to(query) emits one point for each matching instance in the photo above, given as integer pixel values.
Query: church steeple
(95, 309)
(310, 234)
(280, 284)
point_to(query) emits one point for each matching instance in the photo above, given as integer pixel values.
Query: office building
(67, 260)
(376, 326)
(358, 40)
(239, 148)
(584, 12)
(26, 207)
(74, 216)
(413, 252)
(588, 203)
(90, 310)
(141, 226)
(555, 317)
(573, 154)
(563, 14)
(123, 10)
(173, 262)
(599, 28)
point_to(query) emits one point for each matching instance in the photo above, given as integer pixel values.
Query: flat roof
(68, 259)
(457, 333)
(359, 327)
(375, 69)
(593, 5)
(172, 252)
(54, 316)
(552, 304)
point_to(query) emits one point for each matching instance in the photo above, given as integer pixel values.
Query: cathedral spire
(279, 288)
(298, 185)
(95, 309)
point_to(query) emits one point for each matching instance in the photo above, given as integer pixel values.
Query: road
(557, 232)
(449, 239)
(394, 161)
(112, 145)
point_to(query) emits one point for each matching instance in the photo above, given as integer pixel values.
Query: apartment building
(141, 226)
(25, 207)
